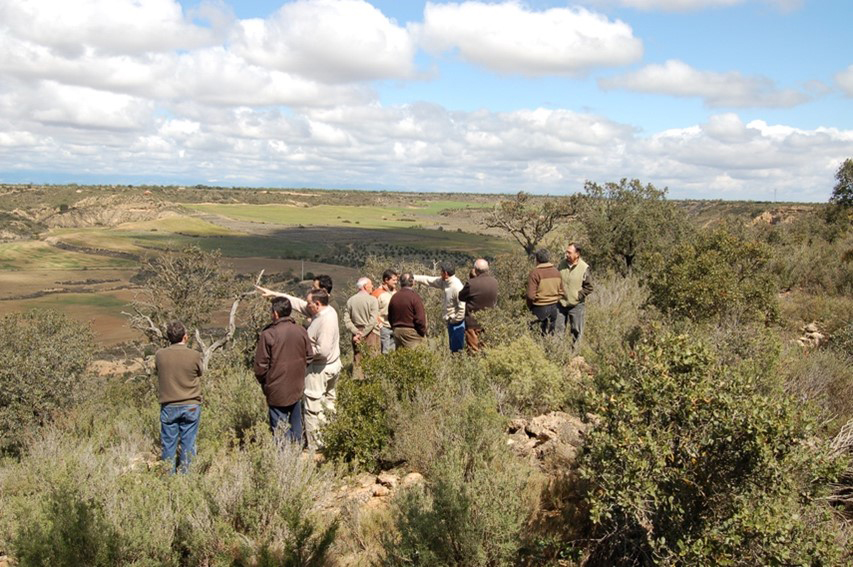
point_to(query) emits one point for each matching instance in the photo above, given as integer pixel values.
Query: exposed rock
(412, 479)
(812, 337)
(387, 479)
(380, 490)
(556, 435)
(516, 424)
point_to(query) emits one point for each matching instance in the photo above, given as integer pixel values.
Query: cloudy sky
(732, 99)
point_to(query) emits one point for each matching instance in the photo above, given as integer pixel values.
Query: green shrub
(613, 312)
(233, 405)
(695, 462)
(718, 275)
(359, 431)
(824, 379)
(71, 532)
(473, 508)
(45, 355)
(531, 383)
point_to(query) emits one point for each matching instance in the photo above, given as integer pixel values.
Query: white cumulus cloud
(730, 89)
(110, 26)
(510, 38)
(687, 5)
(328, 40)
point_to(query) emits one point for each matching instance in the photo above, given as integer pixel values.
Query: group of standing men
(379, 320)
(298, 366)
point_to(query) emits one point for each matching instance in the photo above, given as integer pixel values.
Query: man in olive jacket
(179, 370)
(577, 285)
(283, 353)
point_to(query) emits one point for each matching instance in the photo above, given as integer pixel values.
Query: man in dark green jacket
(577, 285)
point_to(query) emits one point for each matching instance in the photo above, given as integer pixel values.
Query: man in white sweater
(321, 376)
(454, 309)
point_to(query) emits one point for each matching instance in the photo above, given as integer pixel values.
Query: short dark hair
(325, 282)
(321, 296)
(175, 332)
(577, 247)
(541, 256)
(281, 306)
(388, 274)
(407, 280)
(447, 267)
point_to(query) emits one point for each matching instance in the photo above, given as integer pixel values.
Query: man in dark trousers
(283, 353)
(406, 314)
(479, 293)
(544, 290)
(179, 370)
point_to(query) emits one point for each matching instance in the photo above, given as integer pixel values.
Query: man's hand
(356, 339)
(267, 293)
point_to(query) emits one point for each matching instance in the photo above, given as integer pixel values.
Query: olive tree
(627, 222)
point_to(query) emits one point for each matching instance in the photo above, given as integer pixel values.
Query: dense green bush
(472, 510)
(72, 532)
(45, 355)
(529, 383)
(695, 462)
(627, 223)
(360, 430)
(718, 275)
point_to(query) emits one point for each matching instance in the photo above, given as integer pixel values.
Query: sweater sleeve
(465, 292)
(297, 303)
(532, 285)
(586, 286)
(432, 281)
(350, 326)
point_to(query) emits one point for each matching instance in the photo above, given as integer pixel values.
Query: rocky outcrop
(555, 436)
(811, 337)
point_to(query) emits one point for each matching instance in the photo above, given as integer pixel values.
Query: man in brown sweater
(406, 314)
(283, 353)
(544, 290)
(479, 293)
(178, 371)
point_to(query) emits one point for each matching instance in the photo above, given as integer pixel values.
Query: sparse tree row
(661, 393)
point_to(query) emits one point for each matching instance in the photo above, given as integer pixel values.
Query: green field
(335, 215)
(39, 255)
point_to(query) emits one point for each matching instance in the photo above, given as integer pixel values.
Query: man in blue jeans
(179, 370)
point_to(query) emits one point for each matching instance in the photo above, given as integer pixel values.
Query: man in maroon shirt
(283, 352)
(406, 315)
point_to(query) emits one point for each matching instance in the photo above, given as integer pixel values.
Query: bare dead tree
(527, 220)
(208, 350)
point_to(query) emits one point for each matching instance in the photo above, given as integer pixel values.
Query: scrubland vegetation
(708, 431)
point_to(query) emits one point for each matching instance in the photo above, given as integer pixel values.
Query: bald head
(481, 266)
